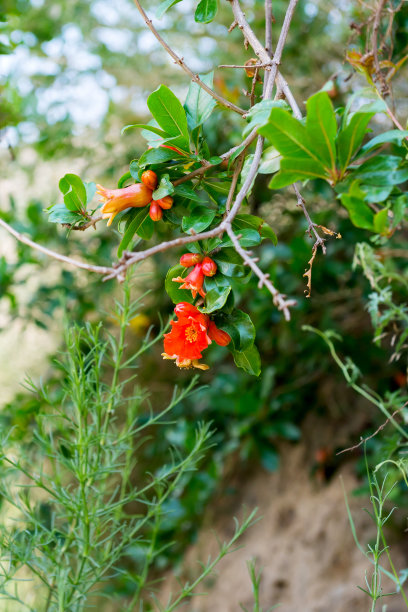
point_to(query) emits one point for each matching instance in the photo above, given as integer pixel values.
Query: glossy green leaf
(239, 326)
(140, 225)
(229, 263)
(74, 191)
(252, 221)
(217, 292)
(249, 360)
(270, 162)
(164, 188)
(381, 221)
(149, 128)
(382, 170)
(391, 137)
(170, 115)
(173, 290)
(295, 169)
(321, 123)
(199, 104)
(60, 214)
(360, 214)
(206, 11)
(290, 137)
(164, 6)
(249, 237)
(258, 115)
(199, 219)
(185, 191)
(398, 208)
(158, 156)
(350, 138)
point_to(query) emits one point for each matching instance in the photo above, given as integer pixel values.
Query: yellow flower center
(191, 334)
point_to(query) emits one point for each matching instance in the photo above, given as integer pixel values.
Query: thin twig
(320, 242)
(235, 177)
(279, 299)
(268, 27)
(263, 55)
(180, 61)
(267, 65)
(54, 254)
(374, 42)
(381, 427)
(81, 228)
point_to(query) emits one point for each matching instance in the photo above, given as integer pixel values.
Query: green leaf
(198, 220)
(170, 115)
(185, 191)
(144, 126)
(164, 189)
(199, 104)
(350, 138)
(398, 209)
(391, 137)
(258, 114)
(124, 178)
(206, 11)
(164, 6)
(60, 214)
(229, 263)
(249, 360)
(360, 214)
(249, 238)
(381, 221)
(173, 290)
(252, 221)
(270, 162)
(291, 138)
(239, 326)
(158, 156)
(216, 297)
(140, 224)
(382, 170)
(74, 191)
(321, 123)
(295, 169)
(90, 189)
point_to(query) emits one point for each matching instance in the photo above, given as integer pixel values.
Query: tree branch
(180, 61)
(54, 254)
(263, 54)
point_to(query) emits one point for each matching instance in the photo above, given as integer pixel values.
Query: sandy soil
(303, 542)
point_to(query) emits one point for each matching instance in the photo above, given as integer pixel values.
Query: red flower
(209, 266)
(187, 338)
(193, 281)
(190, 335)
(202, 267)
(116, 200)
(218, 335)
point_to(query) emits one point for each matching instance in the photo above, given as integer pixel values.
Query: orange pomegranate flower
(190, 335)
(193, 281)
(116, 200)
(203, 266)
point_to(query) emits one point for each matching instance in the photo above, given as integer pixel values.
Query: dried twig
(180, 61)
(381, 427)
(311, 227)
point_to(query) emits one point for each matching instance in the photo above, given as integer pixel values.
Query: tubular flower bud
(209, 266)
(190, 259)
(165, 203)
(149, 178)
(187, 338)
(116, 200)
(193, 281)
(155, 212)
(218, 335)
